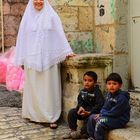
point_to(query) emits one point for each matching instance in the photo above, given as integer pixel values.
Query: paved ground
(13, 127)
(10, 98)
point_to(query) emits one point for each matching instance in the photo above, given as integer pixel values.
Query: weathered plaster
(111, 33)
(104, 11)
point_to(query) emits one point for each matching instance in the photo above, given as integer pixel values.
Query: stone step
(131, 132)
(135, 102)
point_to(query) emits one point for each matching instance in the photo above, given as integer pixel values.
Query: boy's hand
(96, 116)
(81, 109)
(85, 113)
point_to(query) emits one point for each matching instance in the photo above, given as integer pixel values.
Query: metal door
(135, 42)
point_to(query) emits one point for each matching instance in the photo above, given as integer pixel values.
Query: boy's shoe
(90, 138)
(66, 136)
(74, 135)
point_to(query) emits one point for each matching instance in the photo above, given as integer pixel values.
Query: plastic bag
(3, 64)
(12, 75)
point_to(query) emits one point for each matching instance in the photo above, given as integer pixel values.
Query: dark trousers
(72, 121)
(97, 128)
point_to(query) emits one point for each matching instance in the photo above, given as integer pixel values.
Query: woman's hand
(96, 116)
(71, 55)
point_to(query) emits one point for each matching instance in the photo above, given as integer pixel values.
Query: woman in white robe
(41, 46)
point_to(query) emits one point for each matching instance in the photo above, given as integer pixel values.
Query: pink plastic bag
(13, 77)
(10, 74)
(3, 65)
(14, 74)
(21, 85)
(3, 68)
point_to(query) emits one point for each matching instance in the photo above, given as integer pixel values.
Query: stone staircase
(131, 132)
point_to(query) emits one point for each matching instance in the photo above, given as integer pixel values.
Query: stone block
(81, 42)
(121, 39)
(121, 11)
(6, 9)
(86, 18)
(72, 2)
(11, 24)
(18, 9)
(69, 17)
(135, 102)
(9, 41)
(104, 39)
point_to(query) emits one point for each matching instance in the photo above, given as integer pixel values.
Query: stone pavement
(10, 98)
(14, 127)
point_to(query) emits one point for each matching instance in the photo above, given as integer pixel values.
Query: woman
(41, 46)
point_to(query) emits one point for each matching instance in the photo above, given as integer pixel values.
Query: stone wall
(76, 16)
(111, 33)
(13, 11)
(90, 26)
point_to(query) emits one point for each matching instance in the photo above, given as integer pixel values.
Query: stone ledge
(89, 60)
(135, 104)
(131, 132)
(17, 1)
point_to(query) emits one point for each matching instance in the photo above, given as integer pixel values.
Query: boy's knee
(72, 111)
(90, 118)
(100, 125)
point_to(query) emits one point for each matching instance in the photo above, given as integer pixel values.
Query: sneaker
(73, 135)
(66, 136)
(90, 138)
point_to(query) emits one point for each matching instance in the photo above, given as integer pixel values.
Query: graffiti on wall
(104, 11)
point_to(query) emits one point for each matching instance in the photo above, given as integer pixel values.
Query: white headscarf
(41, 41)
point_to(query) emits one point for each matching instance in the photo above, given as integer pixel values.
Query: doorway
(135, 43)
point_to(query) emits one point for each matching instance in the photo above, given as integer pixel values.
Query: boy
(115, 112)
(90, 101)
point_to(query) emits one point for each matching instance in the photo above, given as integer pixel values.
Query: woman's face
(38, 4)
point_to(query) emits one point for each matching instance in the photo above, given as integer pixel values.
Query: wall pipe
(2, 30)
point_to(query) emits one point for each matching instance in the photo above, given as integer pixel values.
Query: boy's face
(38, 4)
(113, 86)
(88, 82)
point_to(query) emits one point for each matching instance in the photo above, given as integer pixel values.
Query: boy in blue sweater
(114, 114)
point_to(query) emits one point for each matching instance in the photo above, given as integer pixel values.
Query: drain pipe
(2, 31)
